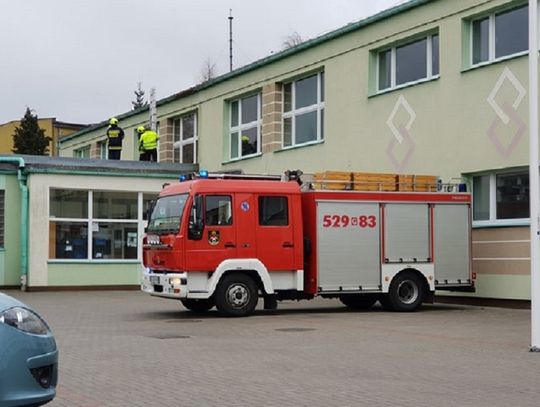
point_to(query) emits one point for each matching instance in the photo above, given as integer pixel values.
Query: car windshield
(167, 214)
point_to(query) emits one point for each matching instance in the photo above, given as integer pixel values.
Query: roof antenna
(230, 39)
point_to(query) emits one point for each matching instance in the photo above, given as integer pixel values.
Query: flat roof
(86, 166)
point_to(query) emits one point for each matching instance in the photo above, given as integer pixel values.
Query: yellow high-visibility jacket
(148, 140)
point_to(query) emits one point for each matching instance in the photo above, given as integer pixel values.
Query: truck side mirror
(196, 225)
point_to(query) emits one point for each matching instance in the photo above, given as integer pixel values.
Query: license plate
(154, 280)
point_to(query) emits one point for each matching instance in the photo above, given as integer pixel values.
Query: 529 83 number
(343, 221)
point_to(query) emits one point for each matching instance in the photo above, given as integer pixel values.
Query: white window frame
(80, 152)
(493, 221)
(178, 145)
(103, 149)
(393, 61)
(293, 113)
(89, 221)
(491, 39)
(245, 126)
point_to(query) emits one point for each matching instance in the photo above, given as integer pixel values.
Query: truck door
(274, 232)
(218, 240)
(246, 213)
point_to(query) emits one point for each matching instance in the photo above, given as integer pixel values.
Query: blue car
(28, 356)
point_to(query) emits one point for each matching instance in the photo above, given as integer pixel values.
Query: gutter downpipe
(21, 177)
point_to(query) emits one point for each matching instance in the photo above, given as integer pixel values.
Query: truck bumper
(168, 285)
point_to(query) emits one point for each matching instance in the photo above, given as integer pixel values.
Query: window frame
(318, 107)
(83, 152)
(244, 126)
(181, 143)
(491, 16)
(393, 61)
(139, 222)
(492, 196)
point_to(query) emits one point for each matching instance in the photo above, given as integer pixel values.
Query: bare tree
(292, 40)
(208, 70)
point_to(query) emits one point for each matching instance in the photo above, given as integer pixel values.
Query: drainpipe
(21, 177)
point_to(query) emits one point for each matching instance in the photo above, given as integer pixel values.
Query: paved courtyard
(128, 349)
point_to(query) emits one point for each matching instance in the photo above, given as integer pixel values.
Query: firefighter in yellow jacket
(148, 140)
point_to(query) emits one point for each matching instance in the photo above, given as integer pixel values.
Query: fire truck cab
(226, 242)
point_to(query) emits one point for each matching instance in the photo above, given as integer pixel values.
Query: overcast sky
(80, 60)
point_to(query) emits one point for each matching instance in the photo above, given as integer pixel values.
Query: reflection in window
(273, 211)
(218, 210)
(245, 126)
(115, 205)
(499, 35)
(68, 203)
(303, 109)
(408, 63)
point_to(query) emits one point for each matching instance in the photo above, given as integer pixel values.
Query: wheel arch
(252, 267)
(424, 272)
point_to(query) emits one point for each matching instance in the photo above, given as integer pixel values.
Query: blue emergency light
(203, 174)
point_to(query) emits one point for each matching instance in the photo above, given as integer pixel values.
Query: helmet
(140, 129)
(245, 139)
(113, 121)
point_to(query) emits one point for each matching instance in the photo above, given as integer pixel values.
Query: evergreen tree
(139, 97)
(29, 138)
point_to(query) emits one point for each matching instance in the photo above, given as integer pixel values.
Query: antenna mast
(230, 39)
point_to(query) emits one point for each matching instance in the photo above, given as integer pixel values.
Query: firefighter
(247, 147)
(115, 135)
(147, 144)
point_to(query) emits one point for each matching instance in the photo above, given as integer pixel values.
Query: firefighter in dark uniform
(115, 135)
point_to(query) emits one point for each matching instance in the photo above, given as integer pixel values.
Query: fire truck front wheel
(196, 305)
(406, 292)
(236, 295)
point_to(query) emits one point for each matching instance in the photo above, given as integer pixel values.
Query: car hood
(9, 302)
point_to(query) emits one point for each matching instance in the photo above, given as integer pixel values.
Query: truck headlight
(24, 320)
(175, 281)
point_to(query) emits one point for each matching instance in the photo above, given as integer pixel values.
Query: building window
(500, 35)
(273, 211)
(102, 149)
(185, 139)
(408, 63)
(2, 224)
(95, 225)
(303, 110)
(245, 126)
(500, 198)
(83, 152)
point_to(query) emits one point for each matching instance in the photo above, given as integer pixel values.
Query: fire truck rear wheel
(236, 295)
(358, 301)
(198, 305)
(406, 292)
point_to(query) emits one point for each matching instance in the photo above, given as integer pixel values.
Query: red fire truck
(227, 241)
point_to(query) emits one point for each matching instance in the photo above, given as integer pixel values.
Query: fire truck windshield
(167, 214)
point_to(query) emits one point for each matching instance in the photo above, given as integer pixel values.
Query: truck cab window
(273, 211)
(218, 210)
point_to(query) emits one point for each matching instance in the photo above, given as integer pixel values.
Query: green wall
(80, 274)
(10, 255)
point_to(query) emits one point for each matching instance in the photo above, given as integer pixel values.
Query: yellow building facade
(54, 129)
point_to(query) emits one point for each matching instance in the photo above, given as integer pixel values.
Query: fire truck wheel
(236, 295)
(198, 305)
(361, 301)
(406, 292)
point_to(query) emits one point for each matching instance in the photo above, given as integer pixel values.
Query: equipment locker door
(348, 246)
(452, 243)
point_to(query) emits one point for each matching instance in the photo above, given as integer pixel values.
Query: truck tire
(406, 293)
(195, 305)
(358, 301)
(236, 295)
